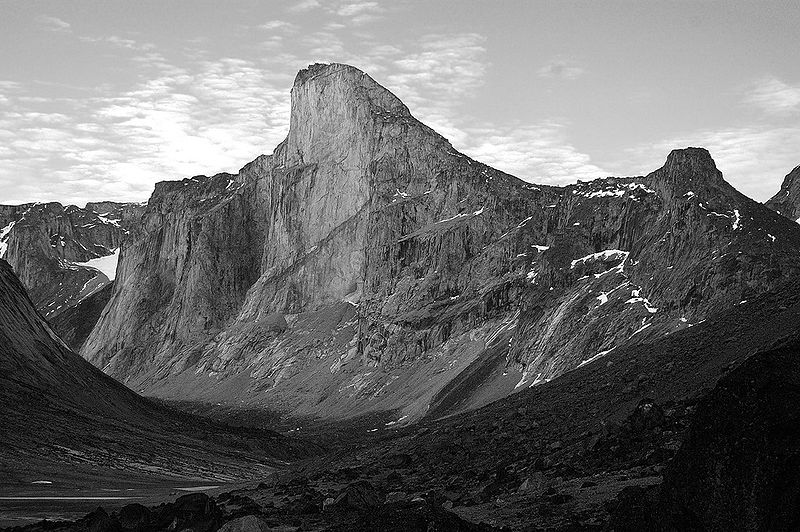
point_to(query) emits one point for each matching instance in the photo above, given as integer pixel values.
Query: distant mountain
(368, 265)
(74, 324)
(64, 254)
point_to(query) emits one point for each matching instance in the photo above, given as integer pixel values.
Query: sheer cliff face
(787, 200)
(368, 265)
(46, 244)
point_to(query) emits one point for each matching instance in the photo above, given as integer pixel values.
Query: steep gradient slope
(367, 265)
(61, 415)
(787, 200)
(54, 250)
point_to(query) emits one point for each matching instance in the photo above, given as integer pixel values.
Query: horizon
(551, 93)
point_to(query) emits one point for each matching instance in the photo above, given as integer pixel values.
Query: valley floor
(558, 456)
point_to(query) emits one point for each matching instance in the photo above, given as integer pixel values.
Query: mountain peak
(338, 77)
(333, 106)
(686, 169)
(698, 160)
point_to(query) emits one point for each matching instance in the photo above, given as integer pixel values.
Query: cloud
(304, 5)
(279, 25)
(119, 42)
(446, 69)
(357, 8)
(537, 153)
(202, 118)
(560, 69)
(359, 13)
(775, 97)
(53, 24)
(202, 114)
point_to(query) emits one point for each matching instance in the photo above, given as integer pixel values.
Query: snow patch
(608, 254)
(4, 239)
(736, 219)
(616, 191)
(526, 220)
(595, 357)
(107, 264)
(108, 221)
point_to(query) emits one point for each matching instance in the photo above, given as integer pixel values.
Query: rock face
(55, 249)
(368, 265)
(787, 200)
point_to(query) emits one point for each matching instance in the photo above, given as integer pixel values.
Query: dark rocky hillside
(61, 416)
(368, 266)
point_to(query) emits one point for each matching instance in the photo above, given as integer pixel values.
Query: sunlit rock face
(368, 265)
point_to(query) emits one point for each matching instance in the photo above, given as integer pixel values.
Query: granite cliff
(368, 265)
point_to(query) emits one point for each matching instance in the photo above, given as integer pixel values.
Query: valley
(369, 330)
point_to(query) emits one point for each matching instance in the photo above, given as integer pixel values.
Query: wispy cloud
(303, 6)
(560, 69)
(358, 13)
(538, 153)
(279, 25)
(775, 97)
(53, 24)
(120, 42)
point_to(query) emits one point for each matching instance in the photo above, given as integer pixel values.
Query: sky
(99, 100)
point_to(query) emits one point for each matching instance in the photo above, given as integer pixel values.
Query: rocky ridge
(368, 265)
(787, 200)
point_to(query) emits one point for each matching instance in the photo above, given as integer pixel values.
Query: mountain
(64, 254)
(787, 200)
(62, 417)
(367, 265)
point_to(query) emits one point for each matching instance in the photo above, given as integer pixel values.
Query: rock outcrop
(368, 265)
(787, 200)
(738, 467)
